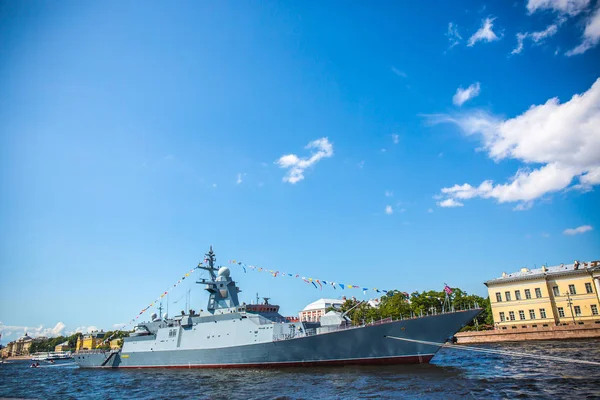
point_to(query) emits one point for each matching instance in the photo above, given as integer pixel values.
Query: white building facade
(315, 310)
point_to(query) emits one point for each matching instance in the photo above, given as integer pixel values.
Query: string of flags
(310, 281)
(158, 299)
(275, 274)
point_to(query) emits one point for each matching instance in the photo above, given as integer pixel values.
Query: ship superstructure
(230, 334)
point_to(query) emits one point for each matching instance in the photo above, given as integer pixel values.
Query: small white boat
(52, 355)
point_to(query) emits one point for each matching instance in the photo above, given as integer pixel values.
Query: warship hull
(370, 344)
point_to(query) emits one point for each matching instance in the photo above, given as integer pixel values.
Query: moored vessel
(52, 355)
(233, 335)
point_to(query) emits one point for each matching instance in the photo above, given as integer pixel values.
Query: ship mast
(222, 289)
(211, 258)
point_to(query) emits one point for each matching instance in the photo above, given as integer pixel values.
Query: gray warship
(233, 335)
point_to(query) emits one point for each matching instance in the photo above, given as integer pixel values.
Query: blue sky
(386, 145)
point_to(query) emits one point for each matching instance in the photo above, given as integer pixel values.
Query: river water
(451, 374)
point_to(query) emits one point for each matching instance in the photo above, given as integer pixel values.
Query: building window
(518, 294)
(538, 293)
(498, 297)
(507, 295)
(521, 315)
(542, 313)
(577, 311)
(527, 293)
(532, 314)
(588, 288)
(511, 315)
(594, 309)
(561, 312)
(555, 290)
(572, 289)
(502, 318)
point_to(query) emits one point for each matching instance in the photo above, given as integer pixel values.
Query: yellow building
(116, 344)
(20, 347)
(90, 341)
(547, 296)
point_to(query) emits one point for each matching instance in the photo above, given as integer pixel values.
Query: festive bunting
(152, 304)
(309, 281)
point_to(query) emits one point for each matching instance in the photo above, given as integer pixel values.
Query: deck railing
(313, 331)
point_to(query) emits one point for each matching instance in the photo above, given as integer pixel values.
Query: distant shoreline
(18, 358)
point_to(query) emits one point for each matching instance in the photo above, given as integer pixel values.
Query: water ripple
(452, 374)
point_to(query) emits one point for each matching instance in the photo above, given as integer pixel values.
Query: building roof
(323, 303)
(66, 343)
(95, 334)
(24, 338)
(537, 273)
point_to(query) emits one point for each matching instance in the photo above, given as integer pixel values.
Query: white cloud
(297, 165)
(485, 33)
(361, 164)
(526, 205)
(453, 36)
(569, 7)
(389, 209)
(430, 210)
(536, 37)
(450, 203)
(403, 210)
(520, 38)
(563, 138)
(15, 331)
(389, 193)
(86, 329)
(395, 138)
(578, 230)
(214, 185)
(463, 95)
(398, 72)
(591, 34)
(239, 178)
(545, 235)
